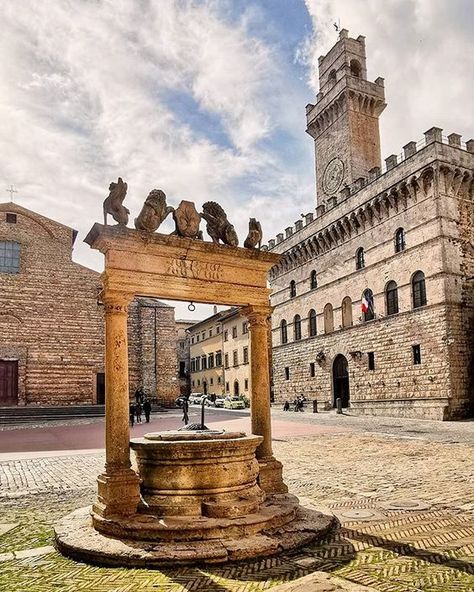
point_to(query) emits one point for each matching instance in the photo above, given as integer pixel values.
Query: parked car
(234, 402)
(214, 401)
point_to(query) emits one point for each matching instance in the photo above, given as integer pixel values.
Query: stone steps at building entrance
(11, 415)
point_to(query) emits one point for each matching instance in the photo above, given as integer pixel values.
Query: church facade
(52, 322)
(374, 296)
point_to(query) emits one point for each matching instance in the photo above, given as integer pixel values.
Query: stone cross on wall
(11, 190)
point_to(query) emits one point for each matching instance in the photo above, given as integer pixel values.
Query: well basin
(199, 473)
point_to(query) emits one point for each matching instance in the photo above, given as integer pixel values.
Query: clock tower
(345, 120)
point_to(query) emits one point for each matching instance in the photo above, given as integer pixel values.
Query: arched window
(297, 328)
(347, 312)
(332, 78)
(312, 323)
(328, 318)
(391, 298)
(283, 331)
(360, 259)
(314, 280)
(292, 289)
(9, 257)
(355, 68)
(368, 312)
(418, 289)
(399, 240)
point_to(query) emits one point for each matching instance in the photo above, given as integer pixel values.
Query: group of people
(142, 405)
(298, 404)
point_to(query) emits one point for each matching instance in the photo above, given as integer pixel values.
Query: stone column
(270, 475)
(119, 485)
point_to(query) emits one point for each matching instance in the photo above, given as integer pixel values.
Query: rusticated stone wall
(429, 195)
(52, 324)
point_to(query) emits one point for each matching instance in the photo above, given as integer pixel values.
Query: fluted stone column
(118, 486)
(270, 476)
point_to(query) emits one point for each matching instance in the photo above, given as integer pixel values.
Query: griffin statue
(218, 227)
(254, 236)
(113, 204)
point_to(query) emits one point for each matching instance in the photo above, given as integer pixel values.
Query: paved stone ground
(361, 474)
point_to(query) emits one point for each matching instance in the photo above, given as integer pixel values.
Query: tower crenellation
(434, 134)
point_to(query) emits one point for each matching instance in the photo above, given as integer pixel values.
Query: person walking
(186, 410)
(139, 395)
(132, 414)
(138, 411)
(147, 410)
(286, 406)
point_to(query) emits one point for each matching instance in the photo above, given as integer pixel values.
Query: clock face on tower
(333, 176)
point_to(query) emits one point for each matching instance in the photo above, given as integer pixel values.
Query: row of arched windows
(367, 304)
(399, 242)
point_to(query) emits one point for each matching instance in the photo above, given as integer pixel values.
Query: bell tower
(345, 120)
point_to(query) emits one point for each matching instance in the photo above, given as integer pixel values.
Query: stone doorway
(236, 388)
(340, 379)
(8, 383)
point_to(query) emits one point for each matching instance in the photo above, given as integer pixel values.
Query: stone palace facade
(374, 295)
(52, 323)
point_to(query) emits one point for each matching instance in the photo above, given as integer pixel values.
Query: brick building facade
(52, 326)
(374, 297)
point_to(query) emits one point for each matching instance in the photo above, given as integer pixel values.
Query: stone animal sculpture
(113, 204)
(218, 227)
(153, 212)
(187, 220)
(254, 236)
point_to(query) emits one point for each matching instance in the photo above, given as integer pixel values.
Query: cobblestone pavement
(405, 501)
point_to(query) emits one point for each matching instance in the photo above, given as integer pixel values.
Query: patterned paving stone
(401, 551)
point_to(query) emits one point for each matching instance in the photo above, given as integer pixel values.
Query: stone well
(206, 473)
(200, 502)
(195, 498)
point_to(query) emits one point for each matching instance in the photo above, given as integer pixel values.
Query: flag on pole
(367, 301)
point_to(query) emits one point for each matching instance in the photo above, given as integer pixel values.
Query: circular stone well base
(77, 538)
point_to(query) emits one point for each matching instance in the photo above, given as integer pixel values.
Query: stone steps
(9, 415)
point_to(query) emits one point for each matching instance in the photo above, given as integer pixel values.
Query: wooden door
(8, 383)
(341, 380)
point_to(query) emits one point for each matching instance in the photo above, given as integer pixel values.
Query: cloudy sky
(206, 99)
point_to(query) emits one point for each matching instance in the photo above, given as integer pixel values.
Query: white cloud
(87, 91)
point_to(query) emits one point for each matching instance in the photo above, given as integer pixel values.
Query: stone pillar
(119, 485)
(270, 473)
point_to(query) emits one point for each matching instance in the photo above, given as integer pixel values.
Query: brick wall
(51, 323)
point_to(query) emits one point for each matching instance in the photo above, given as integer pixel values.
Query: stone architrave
(176, 268)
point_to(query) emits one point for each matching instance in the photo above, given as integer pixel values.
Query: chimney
(215, 309)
